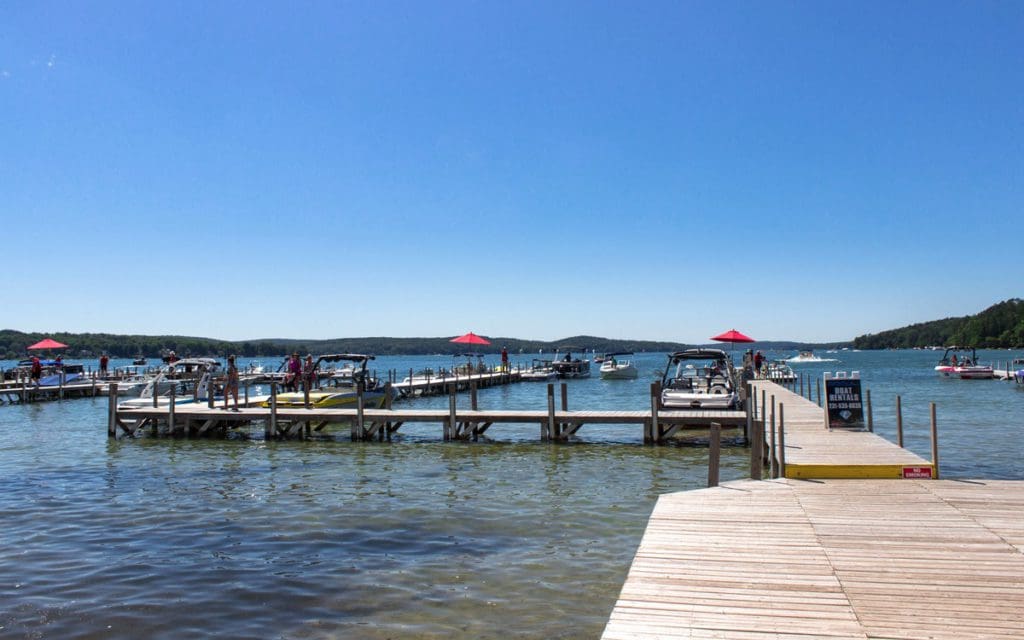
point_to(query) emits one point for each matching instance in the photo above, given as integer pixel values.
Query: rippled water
(173, 538)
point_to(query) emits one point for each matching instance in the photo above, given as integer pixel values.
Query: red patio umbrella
(470, 338)
(48, 343)
(734, 336)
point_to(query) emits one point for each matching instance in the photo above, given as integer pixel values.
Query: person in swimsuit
(231, 386)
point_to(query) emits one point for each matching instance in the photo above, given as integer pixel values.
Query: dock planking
(829, 559)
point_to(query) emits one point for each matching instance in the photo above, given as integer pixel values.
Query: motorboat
(779, 371)
(699, 379)
(372, 390)
(192, 379)
(808, 356)
(343, 376)
(539, 371)
(612, 368)
(139, 360)
(962, 362)
(569, 367)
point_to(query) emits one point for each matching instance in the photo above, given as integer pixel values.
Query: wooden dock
(440, 384)
(830, 557)
(366, 423)
(380, 424)
(26, 392)
(796, 559)
(812, 451)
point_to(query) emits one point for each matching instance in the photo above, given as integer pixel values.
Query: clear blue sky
(654, 170)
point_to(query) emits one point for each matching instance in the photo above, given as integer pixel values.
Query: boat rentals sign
(844, 406)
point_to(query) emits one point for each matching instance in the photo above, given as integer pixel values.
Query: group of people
(300, 373)
(754, 363)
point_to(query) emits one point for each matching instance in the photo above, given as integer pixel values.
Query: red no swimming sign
(917, 472)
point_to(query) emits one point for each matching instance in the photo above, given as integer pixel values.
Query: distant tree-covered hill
(1000, 326)
(13, 345)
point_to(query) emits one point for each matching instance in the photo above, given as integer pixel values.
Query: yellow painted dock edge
(856, 471)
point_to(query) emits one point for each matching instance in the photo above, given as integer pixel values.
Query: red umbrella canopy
(470, 338)
(733, 335)
(48, 343)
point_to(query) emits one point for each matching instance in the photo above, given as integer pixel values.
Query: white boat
(540, 371)
(699, 379)
(779, 371)
(612, 368)
(808, 356)
(962, 362)
(191, 378)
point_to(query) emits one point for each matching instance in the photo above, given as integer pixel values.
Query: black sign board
(843, 403)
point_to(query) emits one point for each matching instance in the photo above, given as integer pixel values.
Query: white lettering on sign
(917, 472)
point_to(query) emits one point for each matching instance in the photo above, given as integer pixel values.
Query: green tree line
(14, 344)
(1001, 326)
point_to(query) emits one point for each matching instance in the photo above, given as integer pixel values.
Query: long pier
(806, 449)
(368, 423)
(816, 554)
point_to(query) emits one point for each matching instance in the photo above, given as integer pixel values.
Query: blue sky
(655, 170)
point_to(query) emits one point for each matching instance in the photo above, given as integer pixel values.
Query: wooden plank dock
(371, 424)
(813, 451)
(833, 557)
(829, 559)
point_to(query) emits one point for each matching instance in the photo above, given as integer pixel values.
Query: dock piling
(112, 411)
(551, 427)
(449, 430)
(774, 468)
(272, 425)
(871, 420)
(899, 421)
(714, 454)
(935, 443)
(782, 440)
(170, 411)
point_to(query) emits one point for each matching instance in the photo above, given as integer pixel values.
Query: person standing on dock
(104, 361)
(758, 363)
(308, 372)
(504, 359)
(37, 370)
(231, 386)
(294, 372)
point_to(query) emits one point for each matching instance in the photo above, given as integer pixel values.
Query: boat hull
(673, 399)
(965, 373)
(329, 399)
(619, 372)
(538, 376)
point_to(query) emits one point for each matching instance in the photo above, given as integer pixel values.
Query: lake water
(417, 538)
